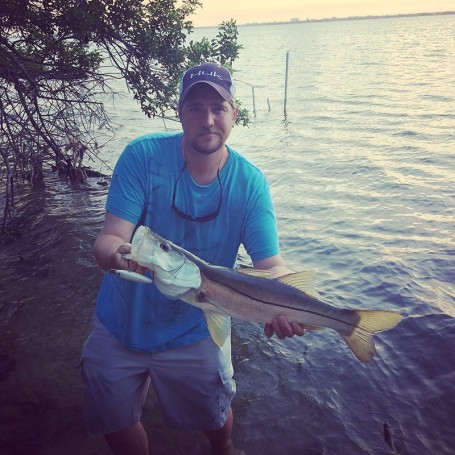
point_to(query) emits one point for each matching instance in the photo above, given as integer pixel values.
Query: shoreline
(336, 19)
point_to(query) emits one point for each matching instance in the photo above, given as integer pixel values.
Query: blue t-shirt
(141, 192)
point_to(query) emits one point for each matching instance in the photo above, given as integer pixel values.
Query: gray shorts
(194, 384)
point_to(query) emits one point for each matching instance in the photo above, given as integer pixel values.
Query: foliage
(225, 50)
(58, 59)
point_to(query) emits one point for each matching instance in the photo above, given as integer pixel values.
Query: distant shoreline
(349, 18)
(337, 19)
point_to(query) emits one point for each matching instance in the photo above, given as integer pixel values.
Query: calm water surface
(361, 169)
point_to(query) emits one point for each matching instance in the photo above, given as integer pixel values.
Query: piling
(286, 83)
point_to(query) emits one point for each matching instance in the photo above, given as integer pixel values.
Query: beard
(207, 142)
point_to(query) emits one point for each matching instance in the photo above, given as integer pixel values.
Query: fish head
(170, 266)
(154, 252)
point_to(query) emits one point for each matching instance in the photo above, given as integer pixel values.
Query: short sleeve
(128, 190)
(260, 228)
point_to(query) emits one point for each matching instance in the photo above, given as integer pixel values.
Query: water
(361, 169)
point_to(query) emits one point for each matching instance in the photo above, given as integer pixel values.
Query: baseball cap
(209, 73)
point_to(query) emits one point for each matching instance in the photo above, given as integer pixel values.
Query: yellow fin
(374, 321)
(301, 280)
(219, 326)
(360, 341)
(258, 273)
(361, 344)
(311, 327)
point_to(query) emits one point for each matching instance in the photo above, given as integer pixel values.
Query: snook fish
(250, 295)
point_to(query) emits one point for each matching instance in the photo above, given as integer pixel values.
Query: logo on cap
(212, 74)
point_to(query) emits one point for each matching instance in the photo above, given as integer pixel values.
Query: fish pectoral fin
(257, 273)
(304, 281)
(219, 326)
(170, 291)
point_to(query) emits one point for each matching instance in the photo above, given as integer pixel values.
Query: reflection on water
(362, 178)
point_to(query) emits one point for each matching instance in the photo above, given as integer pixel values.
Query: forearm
(106, 252)
(274, 264)
(278, 270)
(112, 242)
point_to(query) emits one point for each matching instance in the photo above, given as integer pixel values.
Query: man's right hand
(124, 263)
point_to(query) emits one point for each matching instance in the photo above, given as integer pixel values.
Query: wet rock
(7, 365)
(22, 426)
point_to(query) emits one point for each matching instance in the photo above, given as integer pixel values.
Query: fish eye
(164, 247)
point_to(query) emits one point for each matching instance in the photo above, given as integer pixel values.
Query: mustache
(209, 130)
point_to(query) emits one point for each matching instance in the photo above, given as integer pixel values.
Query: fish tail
(360, 341)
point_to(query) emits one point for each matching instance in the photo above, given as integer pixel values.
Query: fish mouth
(162, 269)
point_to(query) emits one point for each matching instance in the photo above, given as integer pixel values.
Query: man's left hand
(282, 328)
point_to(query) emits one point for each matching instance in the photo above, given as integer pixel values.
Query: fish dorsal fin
(258, 273)
(300, 280)
(219, 326)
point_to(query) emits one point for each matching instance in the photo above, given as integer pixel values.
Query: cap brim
(225, 94)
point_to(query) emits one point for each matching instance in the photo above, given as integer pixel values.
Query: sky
(213, 12)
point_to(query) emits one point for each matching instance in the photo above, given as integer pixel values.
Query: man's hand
(126, 264)
(282, 328)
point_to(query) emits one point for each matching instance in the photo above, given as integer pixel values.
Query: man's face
(207, 119)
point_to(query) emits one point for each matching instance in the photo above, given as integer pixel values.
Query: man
(196, 191)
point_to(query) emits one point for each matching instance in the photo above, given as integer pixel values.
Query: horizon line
(335, 19)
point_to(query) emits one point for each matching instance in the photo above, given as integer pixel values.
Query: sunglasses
(198, 219)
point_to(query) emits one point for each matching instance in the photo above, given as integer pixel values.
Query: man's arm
(113, 241)
(280, 325)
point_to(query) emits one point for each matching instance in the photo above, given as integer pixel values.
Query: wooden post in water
(252, 92)
(286, 83)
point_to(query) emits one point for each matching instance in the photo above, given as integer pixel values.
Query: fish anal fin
(311, 327)
(257, 273)
(304, 281)
(219, 326)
